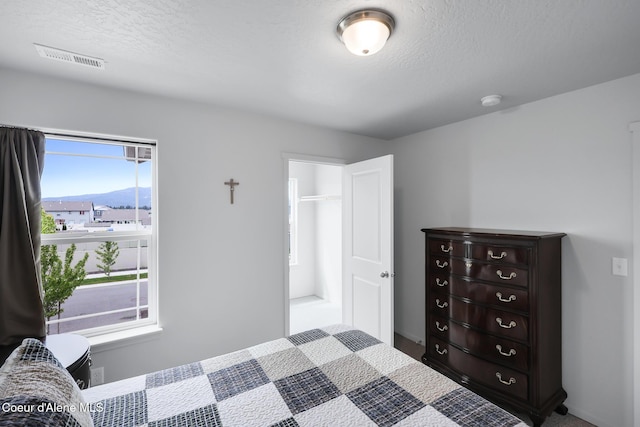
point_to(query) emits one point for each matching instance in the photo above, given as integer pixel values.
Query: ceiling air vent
(66, 56)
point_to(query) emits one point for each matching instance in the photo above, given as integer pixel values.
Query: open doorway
(351, 261)
(315, 245)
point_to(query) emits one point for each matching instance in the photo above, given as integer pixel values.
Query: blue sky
(69, 175)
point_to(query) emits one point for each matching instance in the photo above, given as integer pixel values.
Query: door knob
(384, 274)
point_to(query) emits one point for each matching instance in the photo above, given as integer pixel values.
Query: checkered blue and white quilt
(334, 376)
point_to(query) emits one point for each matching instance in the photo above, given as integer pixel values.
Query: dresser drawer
(447, 247)
(497, 377)
(483, 293)
(507, 254)
(502, 351)
(499, 322)
(498, 273)
(439, 281)
(440, 264)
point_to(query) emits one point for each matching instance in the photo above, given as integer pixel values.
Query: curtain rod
(79, 135)
(57, 135)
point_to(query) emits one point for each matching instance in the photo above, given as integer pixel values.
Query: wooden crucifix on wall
(231, 183)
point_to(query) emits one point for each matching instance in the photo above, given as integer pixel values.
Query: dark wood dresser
(493, 313)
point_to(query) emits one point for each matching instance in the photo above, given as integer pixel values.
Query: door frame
(303, 158)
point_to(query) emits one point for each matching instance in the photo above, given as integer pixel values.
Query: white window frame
(150, 236)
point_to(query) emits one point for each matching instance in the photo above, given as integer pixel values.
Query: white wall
(635, 129)
(222, 275)
(319, 268)
(559, 164)
(329, 233)
(302, 274)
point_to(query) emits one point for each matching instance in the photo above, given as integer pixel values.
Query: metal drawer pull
(509, 277)
(443, 265)
(511, 324)
(449, 249)
(511, 297)
(443, 351)
(512, 352)
(444, 304)
(492, 256)
(511, 380)
(441, 329)
(441, 284)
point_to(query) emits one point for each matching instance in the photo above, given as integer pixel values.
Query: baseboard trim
(586, 416)
(410, 336)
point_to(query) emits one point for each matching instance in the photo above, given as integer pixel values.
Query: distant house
(69, 213)
(105, 214)
(98, 210)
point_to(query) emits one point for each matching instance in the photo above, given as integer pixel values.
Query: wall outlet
(97, 376)
(619, 267)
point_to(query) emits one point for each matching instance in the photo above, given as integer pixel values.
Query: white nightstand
(74, 353)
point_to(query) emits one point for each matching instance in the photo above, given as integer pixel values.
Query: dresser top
(491, 232)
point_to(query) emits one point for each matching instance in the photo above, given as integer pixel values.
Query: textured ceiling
(283, 58)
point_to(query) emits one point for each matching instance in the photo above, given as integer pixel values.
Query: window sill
(110, 341)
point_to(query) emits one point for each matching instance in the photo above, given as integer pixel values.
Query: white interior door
(368, 247)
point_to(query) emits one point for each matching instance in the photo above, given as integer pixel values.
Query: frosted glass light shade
(365, 32)
(365, 37)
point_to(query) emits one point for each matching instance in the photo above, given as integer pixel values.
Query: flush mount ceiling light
(491, 100)
(366, 31)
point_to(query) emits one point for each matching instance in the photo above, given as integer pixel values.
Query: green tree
(107, 254)
(47, 222)
(59, 279)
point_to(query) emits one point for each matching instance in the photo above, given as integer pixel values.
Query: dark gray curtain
(21, 165)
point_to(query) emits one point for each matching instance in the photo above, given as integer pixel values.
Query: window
(119, 287)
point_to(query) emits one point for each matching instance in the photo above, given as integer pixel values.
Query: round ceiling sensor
(491, 100)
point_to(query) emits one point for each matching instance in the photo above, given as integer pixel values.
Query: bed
(333, 376)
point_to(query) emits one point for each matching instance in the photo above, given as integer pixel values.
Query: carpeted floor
(555, 420)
